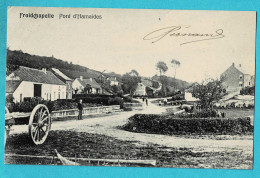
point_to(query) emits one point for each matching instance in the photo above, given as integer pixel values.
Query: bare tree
(175, 64)
(162, 67)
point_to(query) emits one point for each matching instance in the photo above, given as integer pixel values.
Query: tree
(134, 73)
(175, 64)
(209, 92)
(162, 67)
(130, 82)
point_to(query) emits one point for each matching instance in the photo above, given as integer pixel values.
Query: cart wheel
(6, 110)
(39, 124)
(6, 135)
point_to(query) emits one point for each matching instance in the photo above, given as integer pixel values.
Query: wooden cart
(39, 123)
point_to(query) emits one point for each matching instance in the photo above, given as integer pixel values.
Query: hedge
(168, 125)
(248, 91)
(62, 104)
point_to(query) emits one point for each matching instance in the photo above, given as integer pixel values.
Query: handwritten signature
(161, 33)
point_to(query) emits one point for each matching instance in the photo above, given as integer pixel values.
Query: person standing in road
(80, 108)
(146, 102)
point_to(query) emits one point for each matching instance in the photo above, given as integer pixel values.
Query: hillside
(18, 58)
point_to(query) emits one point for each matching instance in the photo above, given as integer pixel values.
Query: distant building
(113, 81)
(236, 78)
(79, 84)
(147, 87)
(28, 82)
(66, 80)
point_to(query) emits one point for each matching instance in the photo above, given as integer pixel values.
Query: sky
(126, 39)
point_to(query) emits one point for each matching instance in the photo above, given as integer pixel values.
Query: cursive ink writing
(173, 31)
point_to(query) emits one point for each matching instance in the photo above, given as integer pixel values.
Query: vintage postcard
(130, 87)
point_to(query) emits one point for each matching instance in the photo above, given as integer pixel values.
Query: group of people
(146, 101)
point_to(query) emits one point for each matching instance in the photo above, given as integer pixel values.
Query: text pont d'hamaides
(61, 16)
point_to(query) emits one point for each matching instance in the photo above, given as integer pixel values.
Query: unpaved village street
(107, 125)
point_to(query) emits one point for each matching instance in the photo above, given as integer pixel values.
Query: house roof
(35, 75)
(58, 72)
(241, 69)
(12, 85)
(106, 92)
(91, 82)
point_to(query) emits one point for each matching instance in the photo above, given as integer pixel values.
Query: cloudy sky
(116, 42)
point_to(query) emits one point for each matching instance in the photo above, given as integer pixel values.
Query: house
(113, 81)
(235, 78)
(66, 80)
(147, 87)
(28, 82)
(79, 84)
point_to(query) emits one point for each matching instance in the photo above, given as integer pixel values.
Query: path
(108, 126)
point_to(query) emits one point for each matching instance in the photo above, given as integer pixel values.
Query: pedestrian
(80, 108)
(146, 102)
(143, 99)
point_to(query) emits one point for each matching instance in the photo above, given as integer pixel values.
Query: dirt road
(107, 125)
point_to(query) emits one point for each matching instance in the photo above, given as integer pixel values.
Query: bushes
(61, 104)
(116, 101)
(200, 114)
(129, 99)
(248, 91)
(168, 125)
(29, 104)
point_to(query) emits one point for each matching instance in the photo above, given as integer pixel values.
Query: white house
(80, 83)
(64, 78)
(113, 81)
(146, 87)
(28, 82)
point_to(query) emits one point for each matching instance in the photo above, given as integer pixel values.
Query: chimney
(81, 78)
(44, 70)
(90, 79)
(240, 65)
(233, 64)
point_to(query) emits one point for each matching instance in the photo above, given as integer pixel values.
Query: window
(241, 77)
(240, 85)
(249, 83)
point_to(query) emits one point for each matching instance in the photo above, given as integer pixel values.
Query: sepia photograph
(130, 87)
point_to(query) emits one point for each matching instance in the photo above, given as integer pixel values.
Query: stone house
(235, 78)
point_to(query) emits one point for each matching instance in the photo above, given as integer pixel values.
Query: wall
(247, 80)
(232, 79)
(77, 85)
(86, 111)
(140, 90)
(69, 90)
(49, 91)
(26, 89)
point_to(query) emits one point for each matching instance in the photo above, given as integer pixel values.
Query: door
(37, 90)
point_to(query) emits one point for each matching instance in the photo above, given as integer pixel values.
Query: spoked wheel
(39, 124)
(7, 128)
(6, 110)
